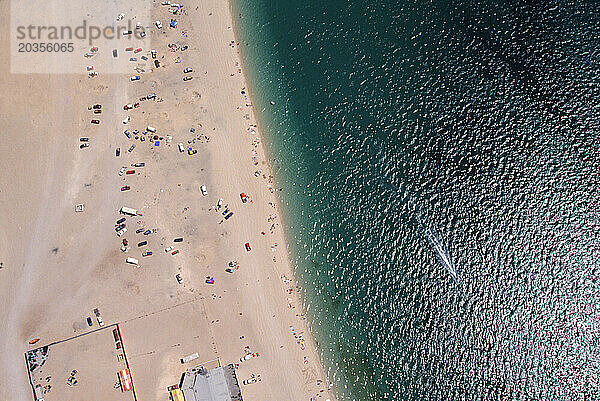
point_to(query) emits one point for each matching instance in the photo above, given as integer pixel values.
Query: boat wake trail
(442, 253)
(435, 241)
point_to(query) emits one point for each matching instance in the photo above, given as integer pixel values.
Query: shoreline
(300, 298)
(303, 294)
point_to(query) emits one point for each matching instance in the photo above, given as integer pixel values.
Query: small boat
(35, 340)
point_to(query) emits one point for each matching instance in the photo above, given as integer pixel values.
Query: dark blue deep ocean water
(406, 132)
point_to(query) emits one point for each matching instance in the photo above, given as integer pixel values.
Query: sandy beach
(58, 265)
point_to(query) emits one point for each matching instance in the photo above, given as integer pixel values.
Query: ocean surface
(439, 165)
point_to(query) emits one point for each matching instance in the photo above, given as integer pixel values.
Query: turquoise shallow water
(410, 137)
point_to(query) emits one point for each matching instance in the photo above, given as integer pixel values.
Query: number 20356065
(35, 47)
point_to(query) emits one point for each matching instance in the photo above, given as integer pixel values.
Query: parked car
(139, 230)
(135, 78)
(244, 197)
(97, 111)
(156, 63)
(169, 249)
(142, 243)
(203, 190)
(118, 152)
(125, 188)
(138, 164)
(247, 245)
(122, 171)
(147, 253)
(125, 242)
(121, 220)
(127, 133)
(180, 239)
(89, 321)
(128, 106)
(188, 78)
(95, 121)
(130, 172)
(249, 381)
(147, 232)
(178, 278)
(84, 145)
(131, 148)
(126, 119)
(229, 215)
(158, 24)
(97, 106)
(175, 252)
(185, 71)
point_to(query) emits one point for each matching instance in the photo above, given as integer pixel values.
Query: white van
(128, 210)
(132, 261)
(189, 358)
(151, 129)
(180, 146)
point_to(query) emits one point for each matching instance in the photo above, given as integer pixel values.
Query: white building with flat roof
(218, 384)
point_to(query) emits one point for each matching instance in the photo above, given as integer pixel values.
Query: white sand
(47, 293)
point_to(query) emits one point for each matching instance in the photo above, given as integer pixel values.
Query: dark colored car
(89, 321)
(125, 188)
(139, 230)
(156, 63)
(178, 239)
(121, 220)
(142, 243)
(84, 145)
(118, 152)
(229, 215)
(95, 121)
(147, 232)
(247, 245)
(97, 106)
